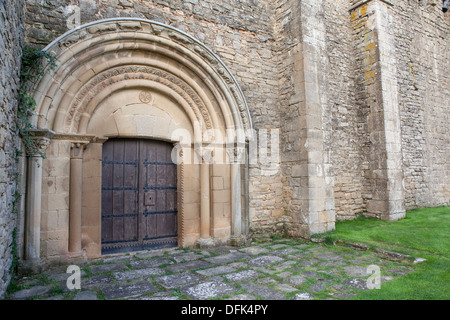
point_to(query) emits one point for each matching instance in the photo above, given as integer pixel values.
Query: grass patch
(422, 233)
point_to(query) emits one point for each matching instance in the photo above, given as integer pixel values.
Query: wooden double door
(139, 195)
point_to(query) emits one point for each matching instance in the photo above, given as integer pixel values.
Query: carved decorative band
(107, 78)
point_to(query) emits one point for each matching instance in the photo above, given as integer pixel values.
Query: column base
(236, 241)
(76, 257)
(33, 266)
(205, 242)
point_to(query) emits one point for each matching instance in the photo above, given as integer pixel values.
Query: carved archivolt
(100, 82)
(72, 50)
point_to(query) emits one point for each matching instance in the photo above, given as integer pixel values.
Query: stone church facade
(185, 123)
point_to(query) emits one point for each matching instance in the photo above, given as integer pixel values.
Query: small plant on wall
(35, 62)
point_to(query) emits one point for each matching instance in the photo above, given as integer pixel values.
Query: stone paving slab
(288, 270)
(189, 256)
(263, 291)
(145, 263)
(243, 296)
(286, 251)
(98, 281)
(242, 275)
(187, 266)
(128, 290)
(265, 261)
(108, 267)
(63, 276)
(208, 290)
(216, 271)
(86, 295)
(356, 271)
(227, 258)
(303, 296)
(297, 280)
(254, 250)
(31, 292)
(178, 280)
(136, 274)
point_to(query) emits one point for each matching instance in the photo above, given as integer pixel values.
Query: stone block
(208, 290)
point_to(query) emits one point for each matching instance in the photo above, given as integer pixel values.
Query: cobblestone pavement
(276, 270)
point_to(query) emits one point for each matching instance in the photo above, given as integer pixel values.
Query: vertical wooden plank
(118, 182)
(107, 178)
(130, 181)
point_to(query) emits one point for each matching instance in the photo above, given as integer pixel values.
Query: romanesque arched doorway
(135, 79)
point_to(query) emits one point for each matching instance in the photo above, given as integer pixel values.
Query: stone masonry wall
(239, 32)
(263, 43)
(11, 40)
(417, 65)
(346, 132)
(422, 46)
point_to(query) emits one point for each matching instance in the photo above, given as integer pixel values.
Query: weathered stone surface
(96, 282)
(185, 266)
(186, 257)
(178, 280)
(108, 267)
(86, 295)
(329, 256)
(297, 280)
(216, 271)
(242, 275)
(29, 293)
(356, 283)
(207, 290)
(331, 263)
(286, 288)
(156, 298)
(356, 271)
(263, 291)
(284, 265)
(287, 251)
(12, 182)
(303, 296)
(128, 290)
(303, 68)
(265, 261)
(149, 254)
(63, 276)
(145, 263)
(135, 274)
(227, 258)
(242, 296)
(257, 282)
(254, 250)
(316, 287)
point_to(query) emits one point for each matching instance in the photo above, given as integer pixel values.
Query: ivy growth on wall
(35, 62)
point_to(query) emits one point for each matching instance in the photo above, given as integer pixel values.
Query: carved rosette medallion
(145, 96)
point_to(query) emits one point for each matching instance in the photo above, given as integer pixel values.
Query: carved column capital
(235, 154)
(77, 148)
(41, 139)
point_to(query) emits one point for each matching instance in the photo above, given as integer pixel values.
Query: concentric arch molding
(101, 81)
(59, 91)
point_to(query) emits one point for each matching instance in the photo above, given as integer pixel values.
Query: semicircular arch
(98, 59)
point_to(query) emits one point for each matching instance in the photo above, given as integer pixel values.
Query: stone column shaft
(205, 206)
(75, 200)
(33, 204)
(41, 139)
(236, 231)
